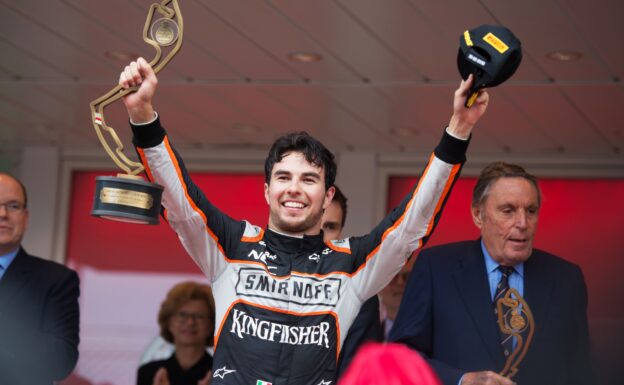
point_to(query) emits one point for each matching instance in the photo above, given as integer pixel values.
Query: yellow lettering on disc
(126, 197)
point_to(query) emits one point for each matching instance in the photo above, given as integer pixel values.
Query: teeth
(296, 205)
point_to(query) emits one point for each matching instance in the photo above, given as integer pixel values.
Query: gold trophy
(515, 318)
(128, 197)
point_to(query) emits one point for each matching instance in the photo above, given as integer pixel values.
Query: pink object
(388, 364)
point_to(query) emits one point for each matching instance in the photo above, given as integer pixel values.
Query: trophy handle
(158, 62)
(520, 308)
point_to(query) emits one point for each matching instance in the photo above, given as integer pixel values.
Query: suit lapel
(538, 287)
(472, 284)
(14, 278)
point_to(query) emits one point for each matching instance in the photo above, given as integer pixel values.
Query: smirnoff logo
(302, 290)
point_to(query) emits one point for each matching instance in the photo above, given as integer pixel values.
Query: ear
(266, 192)
(477, 216)
(329, 195)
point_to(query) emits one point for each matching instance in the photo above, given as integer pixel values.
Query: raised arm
(383, 252)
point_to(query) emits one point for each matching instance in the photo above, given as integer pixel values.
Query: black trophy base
(127, 198)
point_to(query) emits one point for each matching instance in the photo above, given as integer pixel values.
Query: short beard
(296, 228)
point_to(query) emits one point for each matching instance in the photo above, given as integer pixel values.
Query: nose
(521, 219)
(293, 187)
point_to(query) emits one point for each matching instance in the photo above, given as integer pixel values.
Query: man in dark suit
(367, 325)
(447, 311)
(38, 302)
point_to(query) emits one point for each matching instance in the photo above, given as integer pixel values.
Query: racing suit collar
(290, 244)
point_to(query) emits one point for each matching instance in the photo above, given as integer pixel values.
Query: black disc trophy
(128, 197)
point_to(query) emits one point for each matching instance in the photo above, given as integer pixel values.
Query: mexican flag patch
(260, 382)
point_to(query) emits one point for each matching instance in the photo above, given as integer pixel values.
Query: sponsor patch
(495, 42)
(304, 290)
(244, 324)
(222, 372)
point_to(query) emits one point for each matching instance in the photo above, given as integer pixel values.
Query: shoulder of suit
(451, 249)
(545, 257)
(48, 265)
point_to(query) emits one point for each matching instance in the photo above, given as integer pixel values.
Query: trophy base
(127, 198)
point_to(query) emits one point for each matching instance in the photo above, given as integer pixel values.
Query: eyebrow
(314, 175)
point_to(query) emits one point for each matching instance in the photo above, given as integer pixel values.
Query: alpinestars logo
(245, 325)
(222, 372)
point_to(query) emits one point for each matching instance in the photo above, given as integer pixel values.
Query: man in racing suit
(284, 298)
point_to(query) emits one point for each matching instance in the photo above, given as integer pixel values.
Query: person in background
(448, 310)
(367, 325)
(39, 312)
(390, 298)
(186, 319)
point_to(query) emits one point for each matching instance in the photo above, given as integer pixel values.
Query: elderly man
(448, 311)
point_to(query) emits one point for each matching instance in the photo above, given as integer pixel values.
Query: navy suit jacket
(447, 315)
(39, 320)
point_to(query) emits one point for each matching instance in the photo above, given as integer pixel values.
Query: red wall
(152, 248)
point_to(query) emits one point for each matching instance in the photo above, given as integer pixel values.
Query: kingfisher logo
(244, 324)
(302, 290)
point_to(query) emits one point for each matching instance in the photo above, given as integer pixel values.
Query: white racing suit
(284, 304)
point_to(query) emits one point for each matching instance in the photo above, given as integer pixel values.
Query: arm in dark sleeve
(581, 372)
(366, 327)
(414, 325)
(50, 346)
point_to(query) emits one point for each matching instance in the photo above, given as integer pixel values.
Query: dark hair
(19, 182)
(177, 297)
(342, 202)
(313, 151)
(493, 172)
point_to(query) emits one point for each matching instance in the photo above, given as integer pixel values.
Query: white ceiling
(388, 66)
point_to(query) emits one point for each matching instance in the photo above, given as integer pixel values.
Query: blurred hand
(139, 104)
(464, 119)
(206, 380)
(485, 378)
(161, 377)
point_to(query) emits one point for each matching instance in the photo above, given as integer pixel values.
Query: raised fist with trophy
(128, 197)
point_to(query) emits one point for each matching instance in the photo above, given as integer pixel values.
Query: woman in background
(186, 319)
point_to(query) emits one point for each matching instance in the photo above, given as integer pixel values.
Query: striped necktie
(501, 290)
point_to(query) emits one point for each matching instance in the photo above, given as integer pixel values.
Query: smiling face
(13, 221)
(508, 220)
(190, 324)
(296, 196)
